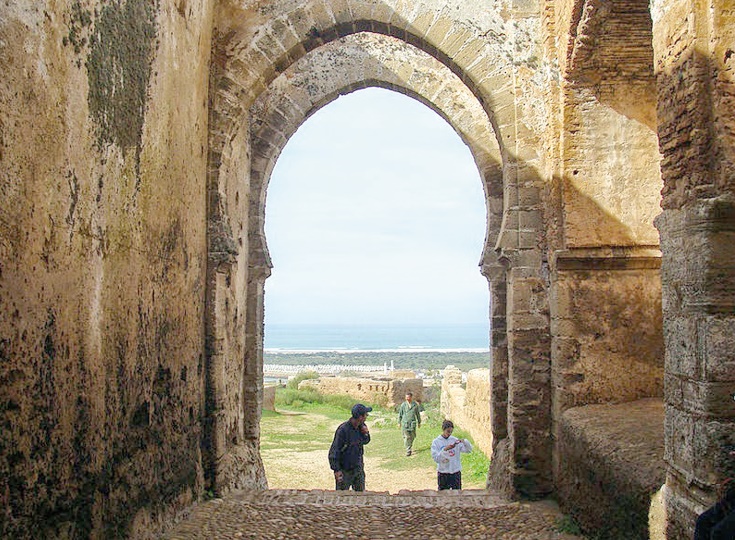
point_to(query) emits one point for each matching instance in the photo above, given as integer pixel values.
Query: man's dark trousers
(354, 479)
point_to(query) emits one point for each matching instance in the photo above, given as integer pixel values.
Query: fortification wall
(384, 391)
(469, 407)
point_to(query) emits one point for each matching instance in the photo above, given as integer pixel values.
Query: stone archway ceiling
(256, 41)
(351, 63)
(611, 39)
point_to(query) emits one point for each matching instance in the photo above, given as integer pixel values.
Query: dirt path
(310, 470)
(294, 466)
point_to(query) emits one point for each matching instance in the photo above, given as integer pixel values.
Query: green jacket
(409, 416)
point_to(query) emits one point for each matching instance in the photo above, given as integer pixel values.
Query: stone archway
(246, 64)
(364, 60)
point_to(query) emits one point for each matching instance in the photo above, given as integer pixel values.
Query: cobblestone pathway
(422, 515)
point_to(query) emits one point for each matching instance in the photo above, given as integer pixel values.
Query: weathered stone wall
(103, 137)
(469, 407)
(613, 465)
(136, 142)
(605, 287)
(383, 391)
(608, 343)
(695, 69)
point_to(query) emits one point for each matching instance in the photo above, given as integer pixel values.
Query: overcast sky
(375, 214)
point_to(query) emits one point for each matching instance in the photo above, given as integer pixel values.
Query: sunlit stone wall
(103, 147)
(469, 406)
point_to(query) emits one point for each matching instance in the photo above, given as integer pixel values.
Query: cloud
(375, 211)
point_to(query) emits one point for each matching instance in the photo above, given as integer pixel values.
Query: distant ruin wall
(384, 391)
(269, 398)
(469, 408)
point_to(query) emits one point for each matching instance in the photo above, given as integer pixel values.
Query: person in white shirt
(445, 450)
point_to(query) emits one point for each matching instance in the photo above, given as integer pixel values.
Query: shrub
(297, 398)
(301, 376)
(339, 400)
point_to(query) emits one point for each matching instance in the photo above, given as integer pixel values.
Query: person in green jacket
(409, 420)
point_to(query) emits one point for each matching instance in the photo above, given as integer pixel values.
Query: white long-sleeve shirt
(447, 460)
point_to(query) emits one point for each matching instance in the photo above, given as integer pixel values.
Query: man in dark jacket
(345, 454)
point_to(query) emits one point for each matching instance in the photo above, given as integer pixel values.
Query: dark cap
(360, 409)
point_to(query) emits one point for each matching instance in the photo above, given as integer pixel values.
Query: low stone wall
(611, 465)
(469, 408)
(384, 391)
(269, 398)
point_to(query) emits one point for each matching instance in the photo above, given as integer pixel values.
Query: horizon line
(282, 350)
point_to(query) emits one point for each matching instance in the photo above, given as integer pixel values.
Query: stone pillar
(252, 384)
(693, 44)
(529, 387)
(524, 456)
(698, 278)
(498, 352)
(221, 258)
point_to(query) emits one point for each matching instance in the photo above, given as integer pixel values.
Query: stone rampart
(383, 391)
(469, 407)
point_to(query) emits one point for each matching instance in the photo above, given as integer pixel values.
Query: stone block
(362, 10)
(382, 13)
(610, 463)
(455, 39)
(565, 353)
(681, 334)
(438, 30)
(341, 11)
(719, 348)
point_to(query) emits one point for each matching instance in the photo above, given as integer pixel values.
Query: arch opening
(262, 131)
(376, 208)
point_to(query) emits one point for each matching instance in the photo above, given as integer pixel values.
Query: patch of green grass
(297, 398)
(340, 401)
(391, 449)
(287, 429)
(293, 383)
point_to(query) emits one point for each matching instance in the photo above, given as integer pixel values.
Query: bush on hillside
(301, 376)
(292, 397)
(339, 400)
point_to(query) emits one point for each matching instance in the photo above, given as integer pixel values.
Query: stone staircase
(409, 515)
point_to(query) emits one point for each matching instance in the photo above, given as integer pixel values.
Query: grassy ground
(295, 441)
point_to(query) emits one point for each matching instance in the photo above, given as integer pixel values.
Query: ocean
(342, 337)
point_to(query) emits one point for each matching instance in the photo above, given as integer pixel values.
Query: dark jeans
(716, 523)
(449, 480)
(354, 479)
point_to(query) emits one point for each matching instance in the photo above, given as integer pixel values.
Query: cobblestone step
(317, 514)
